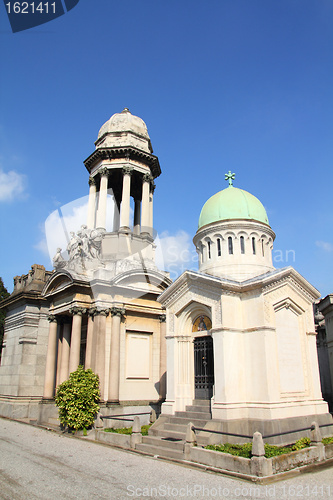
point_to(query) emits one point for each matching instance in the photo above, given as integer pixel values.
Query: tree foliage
(3, 295)
(77, 399)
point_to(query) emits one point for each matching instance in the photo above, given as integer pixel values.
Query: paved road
(38, 464)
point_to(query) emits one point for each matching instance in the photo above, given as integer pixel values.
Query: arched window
(218, 247)
(230, 247)
(242, 244)
(254, 246)
(263, 248)
(209, 252)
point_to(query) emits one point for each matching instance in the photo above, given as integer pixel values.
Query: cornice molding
(233, 224)
(127, 153)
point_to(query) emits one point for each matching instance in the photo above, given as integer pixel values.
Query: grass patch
(128, 430)
(245, 450)
(328, 440)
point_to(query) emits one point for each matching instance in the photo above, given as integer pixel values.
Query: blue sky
(241, 85)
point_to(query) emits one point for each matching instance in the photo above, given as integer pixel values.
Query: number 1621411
(31, 7)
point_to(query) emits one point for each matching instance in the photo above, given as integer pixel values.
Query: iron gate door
(203, 367)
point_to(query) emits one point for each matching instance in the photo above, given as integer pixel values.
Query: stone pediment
(58, 281)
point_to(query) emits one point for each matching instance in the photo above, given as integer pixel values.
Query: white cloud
(12, 185)
(324, 245)
(175, 253)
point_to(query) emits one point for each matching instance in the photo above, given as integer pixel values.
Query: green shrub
(77, 399)
(328, 440)
(128, 430)
(245, 450)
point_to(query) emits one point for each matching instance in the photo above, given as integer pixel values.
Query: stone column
(137, 215)
(91, 203)
(151, 196)
(99, 339)
(74, 357)
(103, 193)
(116, 215)
(51, 357)
(145, 213)
(125, 199)
(59, 353)
(113, 394)
(66, 341)
(90, 339)
(163, 356)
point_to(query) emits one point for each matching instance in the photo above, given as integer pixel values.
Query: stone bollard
(260, 466)
(258, 447)
(98, 424)
(152, 417)
(136, 436)
(316, 440)
(190, 439)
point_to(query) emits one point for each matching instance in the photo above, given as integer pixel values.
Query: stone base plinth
(19, 407)
(266, 427)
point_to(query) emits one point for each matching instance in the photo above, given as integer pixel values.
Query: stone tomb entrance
(203, 358)
(203, 367)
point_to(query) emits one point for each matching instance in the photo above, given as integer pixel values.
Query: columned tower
(123, 166)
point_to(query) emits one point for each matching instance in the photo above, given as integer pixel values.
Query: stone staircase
(168, 434)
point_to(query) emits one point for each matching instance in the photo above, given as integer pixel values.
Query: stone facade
(24, 347)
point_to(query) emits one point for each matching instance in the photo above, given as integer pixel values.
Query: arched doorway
(203, 359)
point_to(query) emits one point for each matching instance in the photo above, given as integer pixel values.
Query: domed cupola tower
(234, 239)
(123, 166)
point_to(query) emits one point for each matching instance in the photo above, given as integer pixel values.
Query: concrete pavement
(39, 464)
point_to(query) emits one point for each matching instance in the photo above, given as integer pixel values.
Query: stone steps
(164, 443)
(159, 447)
(193, 415)
(167, 436)
(170, 434)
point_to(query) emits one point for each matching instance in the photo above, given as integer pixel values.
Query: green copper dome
(232, 203)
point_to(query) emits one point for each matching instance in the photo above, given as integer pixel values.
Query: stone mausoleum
(241, 333)
(98, 307)
(231, 346)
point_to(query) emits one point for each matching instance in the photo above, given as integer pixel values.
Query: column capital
(77, 310)
(162, 318)
(152, 187)
(127, 170)
(118, 311)
(92, 181)
(104, 172)
(102, 312)
(92, 311)
(147, 177)
(52, 318)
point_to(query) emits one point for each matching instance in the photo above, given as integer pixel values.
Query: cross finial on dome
(229, 177)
